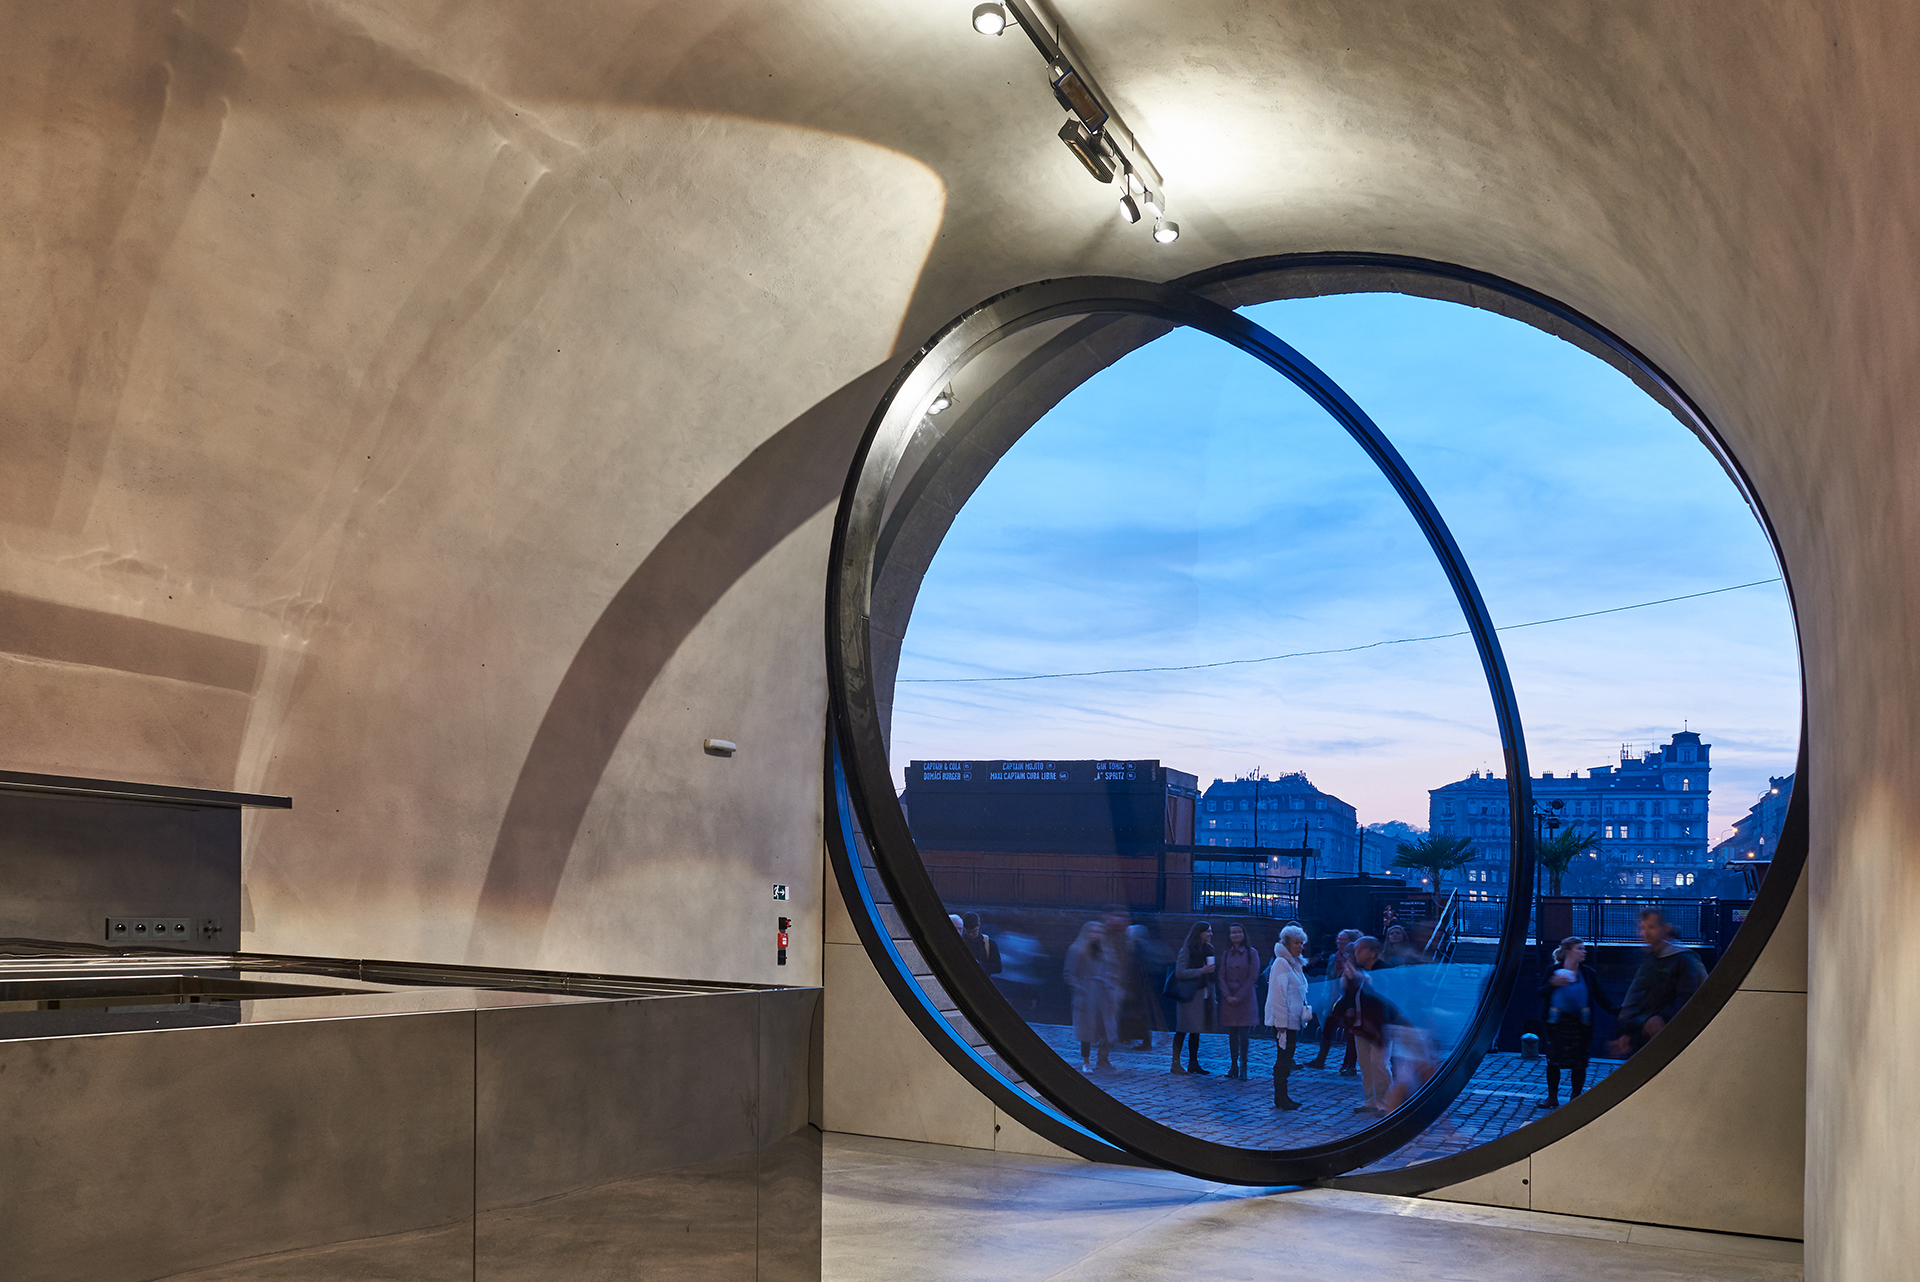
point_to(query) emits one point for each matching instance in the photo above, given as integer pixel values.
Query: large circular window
(1179, 769)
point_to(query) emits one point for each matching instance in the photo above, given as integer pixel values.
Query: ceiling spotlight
(989, 19)
(1166, 231)
(1129, 211)
(1086, 148)
(942, 400)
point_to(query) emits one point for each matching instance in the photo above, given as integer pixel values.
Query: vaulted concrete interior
(435, 413)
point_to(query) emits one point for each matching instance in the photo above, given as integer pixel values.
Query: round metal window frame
(1318, 274)
(863, 783)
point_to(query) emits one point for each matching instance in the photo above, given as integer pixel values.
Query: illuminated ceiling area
(438, 414)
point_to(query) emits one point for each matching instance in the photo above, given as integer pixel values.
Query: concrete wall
(1715, 1141)
(416, 400)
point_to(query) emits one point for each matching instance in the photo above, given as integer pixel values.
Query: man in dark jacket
(1668, 977)
(984, 950)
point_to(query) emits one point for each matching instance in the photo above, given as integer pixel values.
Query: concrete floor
(896, 1210)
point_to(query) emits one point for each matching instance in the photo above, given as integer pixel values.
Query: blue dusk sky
(1189, 506)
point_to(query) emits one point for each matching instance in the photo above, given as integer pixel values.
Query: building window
(1609, 832)
(1686, 785)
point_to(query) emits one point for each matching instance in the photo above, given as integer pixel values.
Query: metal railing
(1249, 894)
(1610, 919)
(1147, 890)
(1446, 931)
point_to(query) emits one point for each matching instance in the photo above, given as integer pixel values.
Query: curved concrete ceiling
(358, 354)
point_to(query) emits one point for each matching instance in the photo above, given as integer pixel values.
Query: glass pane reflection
(1661, 692)
(1157, 703)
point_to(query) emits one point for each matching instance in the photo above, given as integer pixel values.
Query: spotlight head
(1166, 231)
(942, 400)
(1086, 149)
(990, 19)
(1129, 211)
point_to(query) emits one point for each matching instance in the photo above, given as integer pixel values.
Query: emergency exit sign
(779, 892)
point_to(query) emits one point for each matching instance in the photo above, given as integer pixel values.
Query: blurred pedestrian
(984, 950)
(1141, 1014)
(1191, 981)
(1369, 1016)
(1567, 999)
(1094, 978)
(1333, 1024)
(1287, 1009)
(1668, 977)
(1239, 1009)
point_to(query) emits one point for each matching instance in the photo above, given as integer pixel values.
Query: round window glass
(1178, 672)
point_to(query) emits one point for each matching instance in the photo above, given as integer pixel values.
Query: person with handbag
(1287, 1009)
(1190, 983)
(1567, 999)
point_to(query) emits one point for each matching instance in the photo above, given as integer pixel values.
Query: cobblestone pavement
(1500, 1098)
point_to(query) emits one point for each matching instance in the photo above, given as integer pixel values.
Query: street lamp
(1549, 819)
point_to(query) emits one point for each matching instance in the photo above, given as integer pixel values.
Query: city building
(1284, 812)
(1756, 833)
(1380, 843)
(1648, 816)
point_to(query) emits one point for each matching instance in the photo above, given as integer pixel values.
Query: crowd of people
(1126, 989)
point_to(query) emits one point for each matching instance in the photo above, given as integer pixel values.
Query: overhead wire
(1351, 649)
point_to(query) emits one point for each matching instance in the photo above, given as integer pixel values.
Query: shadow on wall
(776, 489)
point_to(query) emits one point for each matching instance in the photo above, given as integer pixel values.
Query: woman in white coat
(1287, 1009)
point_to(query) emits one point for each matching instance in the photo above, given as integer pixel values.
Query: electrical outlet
(149, 930)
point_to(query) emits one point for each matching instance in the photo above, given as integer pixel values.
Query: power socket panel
(150, 930)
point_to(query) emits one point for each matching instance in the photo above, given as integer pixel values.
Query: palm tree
(1559, 851)
(1436, 853)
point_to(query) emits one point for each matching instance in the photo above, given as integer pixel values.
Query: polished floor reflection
(898, 1210)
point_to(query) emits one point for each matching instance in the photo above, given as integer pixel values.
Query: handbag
(1178, 990)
